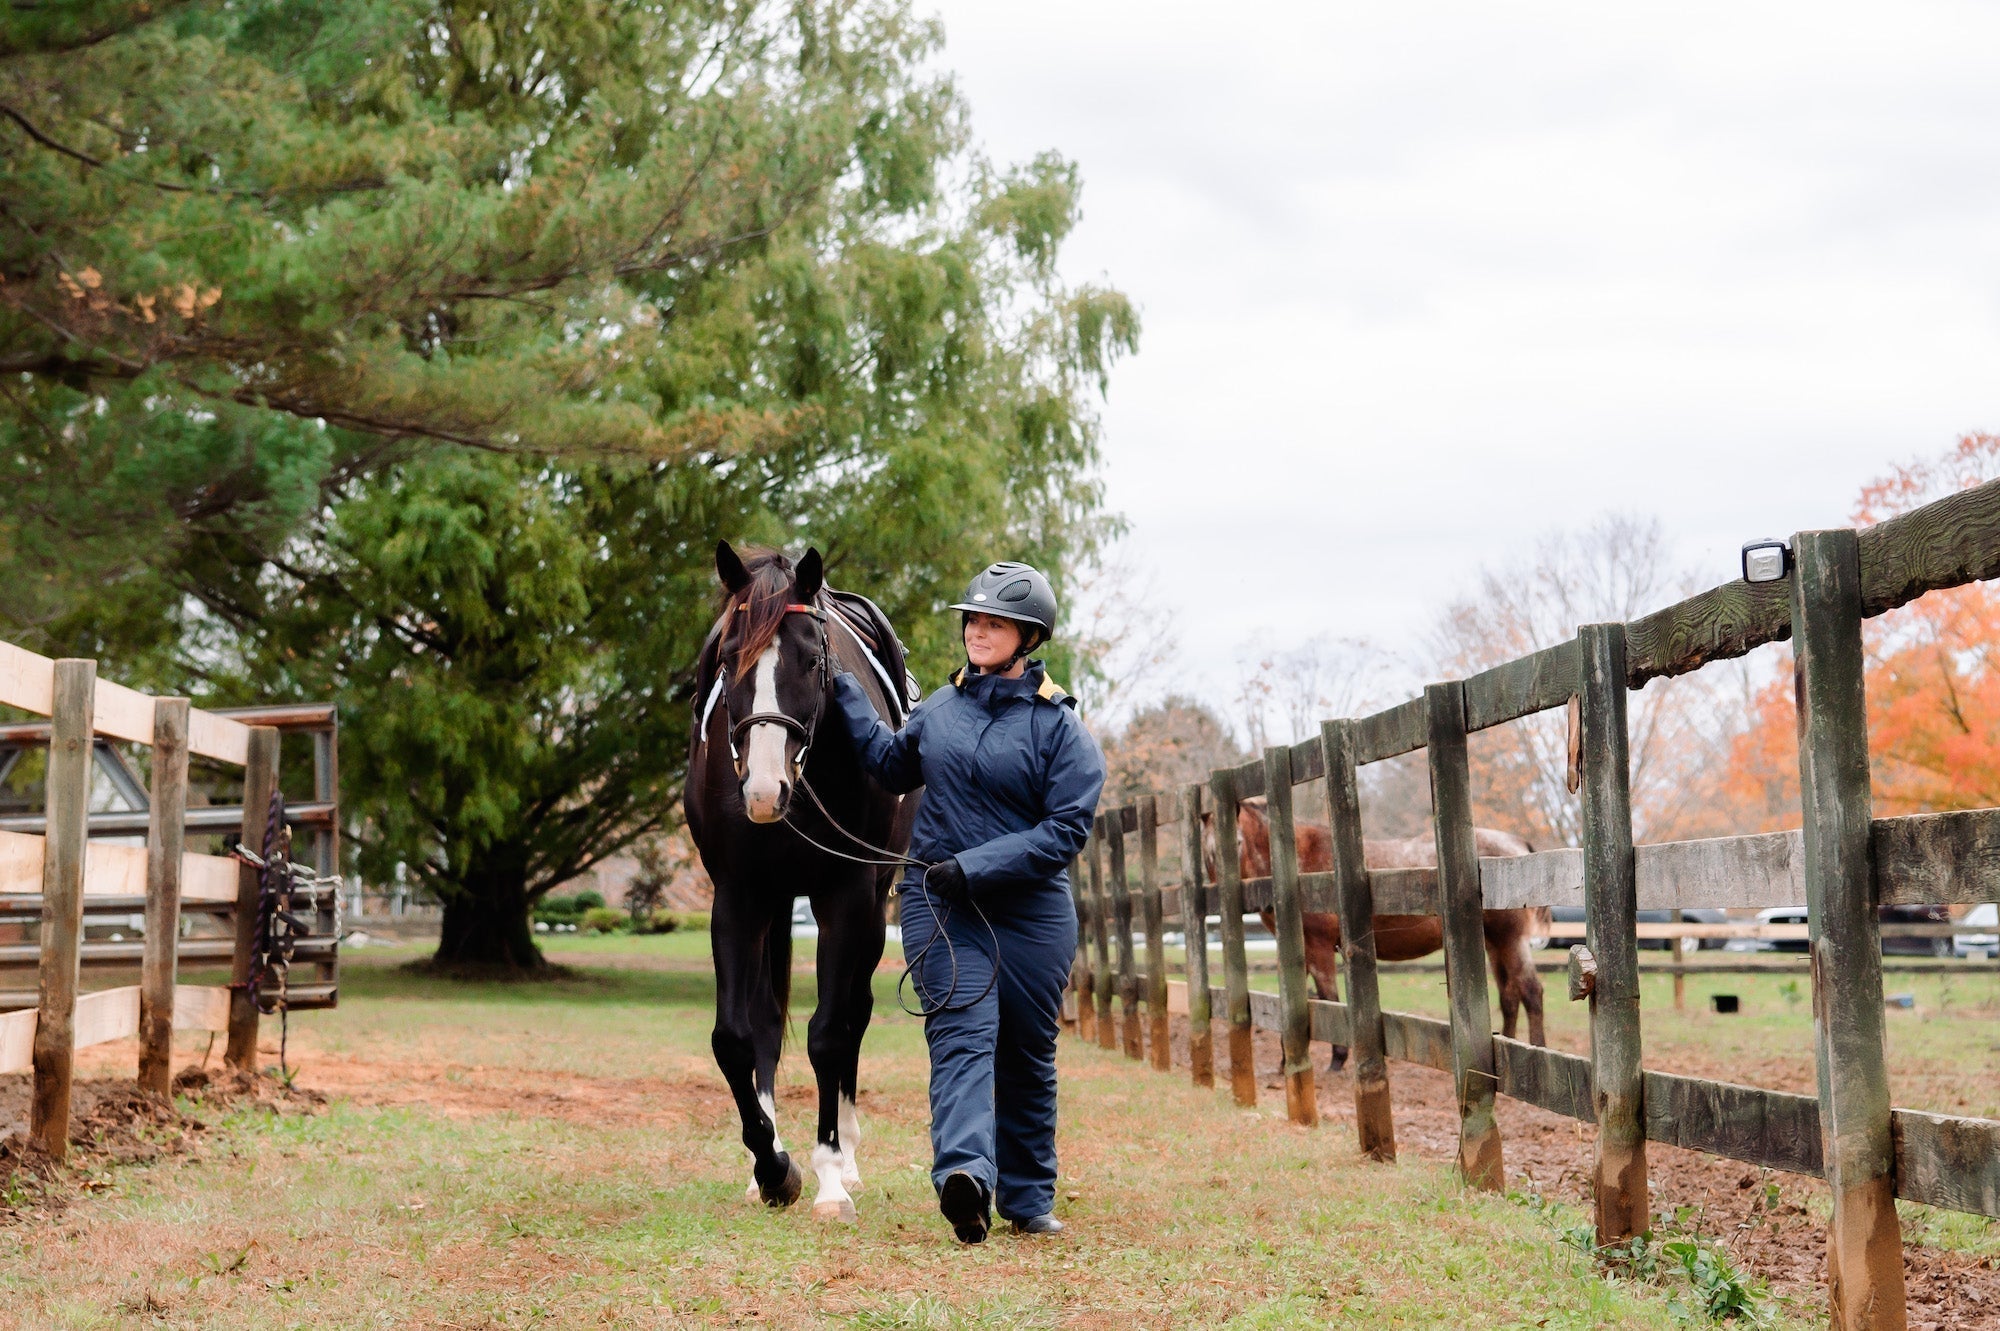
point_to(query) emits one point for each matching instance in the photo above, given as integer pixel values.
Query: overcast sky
(1421, 281)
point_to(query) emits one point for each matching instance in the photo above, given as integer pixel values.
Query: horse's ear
(729, 567)
(808, 577)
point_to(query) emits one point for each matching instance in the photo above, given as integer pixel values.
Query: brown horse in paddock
(1402, 937)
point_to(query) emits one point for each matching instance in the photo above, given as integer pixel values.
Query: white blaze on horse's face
(766, 774)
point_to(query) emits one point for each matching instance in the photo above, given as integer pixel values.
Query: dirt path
(1770, 1220)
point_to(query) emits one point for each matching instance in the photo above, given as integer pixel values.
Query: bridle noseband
(803, 730)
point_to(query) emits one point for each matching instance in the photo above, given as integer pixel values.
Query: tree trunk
(486, 924)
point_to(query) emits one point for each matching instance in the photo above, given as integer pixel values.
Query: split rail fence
(1843, 863)
(51, 872)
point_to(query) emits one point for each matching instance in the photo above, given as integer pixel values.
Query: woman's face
(990, 640)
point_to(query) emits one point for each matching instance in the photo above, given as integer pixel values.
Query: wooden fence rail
(1841, 865)
(51, 873)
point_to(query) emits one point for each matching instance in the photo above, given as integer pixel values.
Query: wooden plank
(1120, 886)
(17, 1040)
(1354, 904)
(1156, 943)
(1100, 929)
(1405, 891)
(1547, 1078)
(1194, 924)
(107, 1015)
(1768, 1128)
(1765, 869)
(1266, 1012)
(1386, 734)
(1942, 859)
(219, 737)
(1235, 966)
(260, 776)
(1715, 625)
(1079, 969)
(1410, 1038)
(1521, 687)
(165, 862)
(201, 1007)
(1479, 1155)
(113, 871)
(1545, 878)
(1946, 543)
(123, 713)
(1332, 1023)
(1307, 761)
(1288, 919)
(1257, 896)
(1864, 1241)
(1320, 891)
(1946, 1161)
(1611, 903)
(27, 680)
(68, 787)
(1249, 779)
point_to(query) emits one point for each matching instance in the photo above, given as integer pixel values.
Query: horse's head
(1253, 840)
(773, 653)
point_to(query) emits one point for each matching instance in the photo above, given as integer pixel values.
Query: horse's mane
(757, 610)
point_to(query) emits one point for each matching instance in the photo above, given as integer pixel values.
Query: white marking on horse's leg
(850, 1145)
(764, 749)
(832, 1201)
(770, 1109)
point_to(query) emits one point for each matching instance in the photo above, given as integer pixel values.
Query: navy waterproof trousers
(993, 1065)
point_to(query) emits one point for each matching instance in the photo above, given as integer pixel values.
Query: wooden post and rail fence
(1843, 863)
(51, 872)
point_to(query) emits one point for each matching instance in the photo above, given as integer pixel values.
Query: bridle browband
(802, 730)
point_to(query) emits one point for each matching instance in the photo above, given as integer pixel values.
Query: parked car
(1908, 947)
(1692, 915)
(1986, 945)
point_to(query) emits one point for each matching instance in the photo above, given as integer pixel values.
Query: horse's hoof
(841, 1210)
(786, 1190)
(851, 1180)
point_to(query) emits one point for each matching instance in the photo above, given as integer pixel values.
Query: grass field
(563, 1155)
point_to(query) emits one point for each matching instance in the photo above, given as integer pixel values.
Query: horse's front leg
(850, 945)
(749, 1027)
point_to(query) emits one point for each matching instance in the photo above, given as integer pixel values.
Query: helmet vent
(1017, 590)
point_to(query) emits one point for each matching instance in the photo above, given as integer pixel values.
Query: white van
(1981, 944)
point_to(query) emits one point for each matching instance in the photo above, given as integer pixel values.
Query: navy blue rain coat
(1011, 780)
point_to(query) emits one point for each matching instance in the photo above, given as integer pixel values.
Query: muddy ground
(1765, 1216)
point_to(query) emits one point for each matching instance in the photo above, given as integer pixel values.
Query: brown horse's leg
(1531, 996)
(1507, 978)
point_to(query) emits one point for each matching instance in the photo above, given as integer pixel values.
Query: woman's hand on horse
(946, 879)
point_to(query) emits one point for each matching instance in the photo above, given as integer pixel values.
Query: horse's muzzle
(766, 801)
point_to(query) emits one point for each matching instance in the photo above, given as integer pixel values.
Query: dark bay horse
(1405, 937)
(763, 726)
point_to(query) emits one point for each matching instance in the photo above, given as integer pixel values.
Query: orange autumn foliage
(1933, 680)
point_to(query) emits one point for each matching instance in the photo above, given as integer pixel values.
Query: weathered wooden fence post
(1235, 964)
(1194, 930)
(1460, 904)
(1367, 1058)
(1864, 1244)
(1121, 919)
(1288, 914)
(165, 841)
(1080, 977)
(1100, 929)
(1610, 896)
(1156, 945)
(260, 778)
(64, 845)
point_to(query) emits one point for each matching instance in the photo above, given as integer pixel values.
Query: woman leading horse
(1011, 780)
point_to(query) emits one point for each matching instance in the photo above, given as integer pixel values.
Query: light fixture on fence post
(1766, 560)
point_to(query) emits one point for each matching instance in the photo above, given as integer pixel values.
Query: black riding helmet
(1014, 591)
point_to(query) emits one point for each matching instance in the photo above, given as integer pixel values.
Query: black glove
(946, 879)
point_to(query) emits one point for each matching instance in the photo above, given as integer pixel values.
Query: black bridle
(804, 731)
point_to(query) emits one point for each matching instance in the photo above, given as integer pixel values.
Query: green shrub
(604, 920)
(662, 921)
(694, 921)
(569, 909)
(589, 900)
